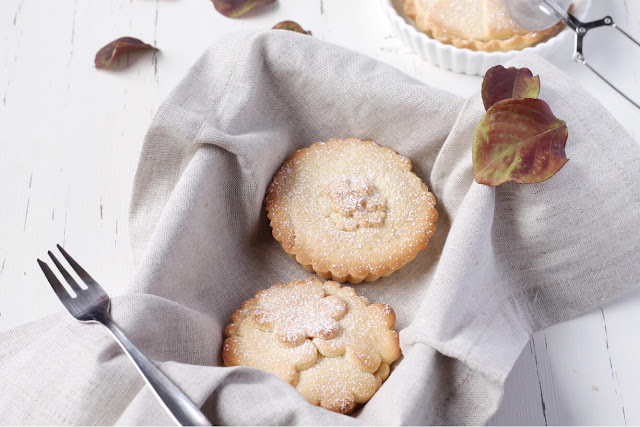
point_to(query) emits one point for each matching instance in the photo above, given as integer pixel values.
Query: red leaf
(113, 50)
(518, 140)
(503, 83)
(236, 8)
(291, 26)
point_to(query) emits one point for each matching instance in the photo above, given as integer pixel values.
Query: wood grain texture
(71, 136)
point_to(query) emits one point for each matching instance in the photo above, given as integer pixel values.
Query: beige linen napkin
(504, 262)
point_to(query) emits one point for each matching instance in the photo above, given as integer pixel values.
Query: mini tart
(350, 210)
(481, 25)
(331, 344)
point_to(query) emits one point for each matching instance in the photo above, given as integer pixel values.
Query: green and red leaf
(518, 140)
(236, 8)
(109, 53)
(504, 83)
(291, 26)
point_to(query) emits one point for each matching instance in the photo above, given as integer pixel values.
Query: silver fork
(92, 305)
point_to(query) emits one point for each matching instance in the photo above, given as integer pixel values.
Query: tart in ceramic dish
(482, 25)
(460, 57)
(350, 210)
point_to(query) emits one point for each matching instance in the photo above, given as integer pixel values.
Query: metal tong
(524, 13)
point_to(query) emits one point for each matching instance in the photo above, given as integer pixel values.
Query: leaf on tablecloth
(518, 140)
(291, 26)
(504, 83)
(236, 8)
(109, 53)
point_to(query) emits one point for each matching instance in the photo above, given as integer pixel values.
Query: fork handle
(178, 404)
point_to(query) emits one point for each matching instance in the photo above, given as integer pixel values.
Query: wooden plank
(622, 318)
(576, 373)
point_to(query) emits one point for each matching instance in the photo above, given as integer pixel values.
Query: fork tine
(70, 280)
(53, 280)
(81, 272)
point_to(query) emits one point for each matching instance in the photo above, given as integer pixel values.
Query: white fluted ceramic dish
(466, 61)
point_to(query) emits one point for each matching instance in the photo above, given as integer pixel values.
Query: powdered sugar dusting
(352, 203)
(298, 310)
(355, 209)
(250, 346)
(335, 381)
(366, 336)
(335, 384)
(474, 24)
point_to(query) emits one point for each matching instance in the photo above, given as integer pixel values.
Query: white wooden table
(70, 137)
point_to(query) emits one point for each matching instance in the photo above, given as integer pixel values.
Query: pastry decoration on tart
(341, 346)
(350, 210)
(483, 25)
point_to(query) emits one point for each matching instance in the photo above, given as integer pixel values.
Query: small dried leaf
(291, 26)
(236, 8)
(518, 140)
(503, 83)
(110, 52)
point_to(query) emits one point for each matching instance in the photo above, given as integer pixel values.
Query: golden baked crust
(344, 368)
(336, 385)
(483, 25)
(350, 210)
(248, 345)
(366, 337)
